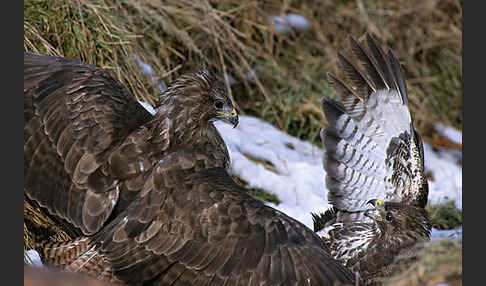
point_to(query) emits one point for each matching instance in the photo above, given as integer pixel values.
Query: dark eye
(389, 217)
(219, 104)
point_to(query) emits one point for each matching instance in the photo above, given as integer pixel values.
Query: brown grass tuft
(429, 264)
(279, 77)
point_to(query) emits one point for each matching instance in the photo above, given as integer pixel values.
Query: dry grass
(235, 37)
(432, 263)
(89, 31)
(444, 216)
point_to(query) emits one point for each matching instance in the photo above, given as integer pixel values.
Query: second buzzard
(374, 161)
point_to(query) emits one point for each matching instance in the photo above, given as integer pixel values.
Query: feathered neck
(399, 239)
(180, 123)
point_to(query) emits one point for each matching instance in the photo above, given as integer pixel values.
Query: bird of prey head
(373, 155)
(151, 194)
(204, 91)
(393, 218)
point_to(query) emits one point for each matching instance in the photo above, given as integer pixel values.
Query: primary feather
(372, 152)
(151, 195)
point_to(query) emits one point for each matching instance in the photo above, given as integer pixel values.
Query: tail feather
(80, 256)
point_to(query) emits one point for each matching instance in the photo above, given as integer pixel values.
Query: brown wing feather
(74, 114)
(183, 220)
(192, 224)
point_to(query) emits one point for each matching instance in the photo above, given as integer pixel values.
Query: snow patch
(144, 67)
(32, 257)
(287, 22)
(450, 234)
(446, 177)
(147, 106)
(296, 175)
(299, 179)
(450, 133)
(147, 70)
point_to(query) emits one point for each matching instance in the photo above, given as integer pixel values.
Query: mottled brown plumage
(87, 140)
(152, 195)
(34, 276)
(373, 155)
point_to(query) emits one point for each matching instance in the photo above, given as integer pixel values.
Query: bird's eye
(389, 217)
(219, 104)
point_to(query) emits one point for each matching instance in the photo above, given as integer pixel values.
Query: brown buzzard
(151, 196)
(373, 156)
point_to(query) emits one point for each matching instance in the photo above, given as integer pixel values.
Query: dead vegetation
(430, 264)
(280, 77)
(444, 216)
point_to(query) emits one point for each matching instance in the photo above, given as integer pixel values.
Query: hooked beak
(229, 114)
(375, 202)
(375, 213)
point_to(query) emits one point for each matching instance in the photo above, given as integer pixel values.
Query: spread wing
(75, 114)
(192, 225)
(372, 148)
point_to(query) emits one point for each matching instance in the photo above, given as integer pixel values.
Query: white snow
(287, 22)
(299, 183)
(144, 67)
(147, 106)
(450, 133)
(446, 181)
(299, 178)
(453, 135)
(31, 257)
(296, 175)
(451, 234)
